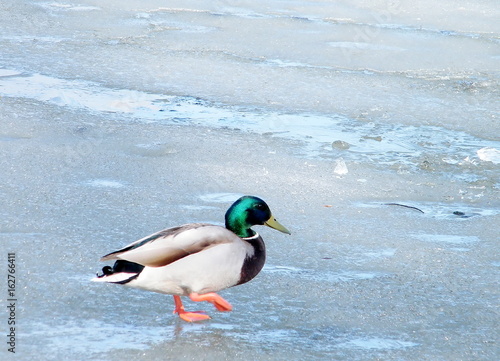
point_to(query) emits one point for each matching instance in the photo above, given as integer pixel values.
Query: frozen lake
(370, 128)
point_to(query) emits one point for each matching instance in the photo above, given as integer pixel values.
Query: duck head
(249, 211)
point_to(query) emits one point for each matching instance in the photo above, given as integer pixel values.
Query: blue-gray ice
(370, 128)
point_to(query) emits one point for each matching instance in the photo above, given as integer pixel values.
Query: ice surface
(401, 147)
(370, 128)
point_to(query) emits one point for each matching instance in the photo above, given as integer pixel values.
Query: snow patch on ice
(446, 238)
(348, 276)
(340, 167)
(153, 149)
(80, 94)
(282, 269)
(195, 207)
(389, 252)
(56, 6)
(376, 344)
(489, 154)
(220, 197)
(362, 46)
(105, 183)
(7, 72)
(325, 275)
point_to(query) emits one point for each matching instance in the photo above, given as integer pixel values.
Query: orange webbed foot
(194, 316)
(219, 303)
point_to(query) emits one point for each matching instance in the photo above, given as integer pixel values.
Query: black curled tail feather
(106, 271)
(121, 266)
(127, 267)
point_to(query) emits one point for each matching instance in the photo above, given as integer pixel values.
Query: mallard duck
(197, 259)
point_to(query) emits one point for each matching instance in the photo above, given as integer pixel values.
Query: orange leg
(188, 316)
(219, 303)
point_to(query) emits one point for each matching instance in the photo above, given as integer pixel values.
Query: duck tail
(122, 272)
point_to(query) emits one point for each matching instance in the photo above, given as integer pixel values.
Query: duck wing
(172, 244)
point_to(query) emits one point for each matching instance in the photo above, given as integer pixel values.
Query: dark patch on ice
(464, 215)
(406, 206)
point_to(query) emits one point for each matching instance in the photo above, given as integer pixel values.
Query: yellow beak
(273, 223)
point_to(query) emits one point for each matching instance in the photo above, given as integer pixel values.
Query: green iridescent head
(249, 211)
